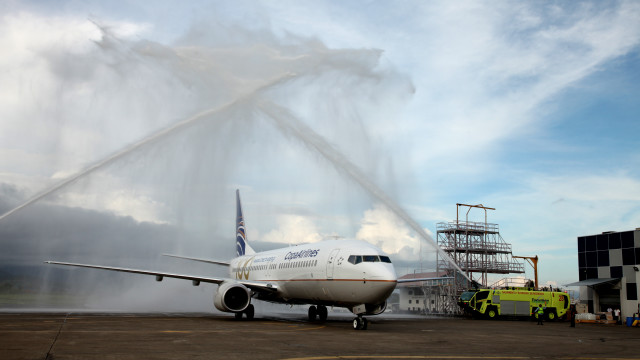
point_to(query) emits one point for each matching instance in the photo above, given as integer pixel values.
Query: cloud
(105, 89)
(489, 76)
(293, 230)
(378, 226)
(589, 187)
(559, 208)
(381, 227)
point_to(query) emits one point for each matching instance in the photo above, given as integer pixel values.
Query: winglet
(242, 247)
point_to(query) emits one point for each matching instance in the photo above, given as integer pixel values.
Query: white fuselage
(336, 272)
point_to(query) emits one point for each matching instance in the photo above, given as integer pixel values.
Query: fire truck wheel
(551, 315)
(492, 313)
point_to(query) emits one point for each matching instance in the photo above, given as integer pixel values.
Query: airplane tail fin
(242, 247)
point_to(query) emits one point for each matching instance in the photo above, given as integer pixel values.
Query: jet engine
(232, 297)
(375, 309)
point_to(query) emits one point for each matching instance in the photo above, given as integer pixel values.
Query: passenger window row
(298, 264)
(287, 265)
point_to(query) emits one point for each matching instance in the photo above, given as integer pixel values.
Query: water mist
(162, 171)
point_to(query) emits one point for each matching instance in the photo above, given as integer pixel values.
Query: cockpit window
(357, 259)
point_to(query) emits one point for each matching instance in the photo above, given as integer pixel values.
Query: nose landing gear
(360, 323)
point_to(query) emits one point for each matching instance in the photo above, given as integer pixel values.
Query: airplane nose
(386, 273)
(388, 284)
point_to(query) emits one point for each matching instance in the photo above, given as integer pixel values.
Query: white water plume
(172, 130)
(290, 125)
(126, 107)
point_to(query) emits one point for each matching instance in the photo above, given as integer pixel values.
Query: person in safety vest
(540, 312)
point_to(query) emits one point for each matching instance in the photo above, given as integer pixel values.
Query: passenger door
(331, 262)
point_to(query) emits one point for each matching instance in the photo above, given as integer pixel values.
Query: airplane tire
(250, 312)
(238, 316)
(312, 313)
(322, 313)
(360, 323)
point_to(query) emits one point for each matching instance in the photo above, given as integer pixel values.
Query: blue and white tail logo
(241, 242)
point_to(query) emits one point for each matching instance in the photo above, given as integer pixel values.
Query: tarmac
(291, 336)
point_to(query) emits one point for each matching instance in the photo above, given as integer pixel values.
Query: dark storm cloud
(45, 231)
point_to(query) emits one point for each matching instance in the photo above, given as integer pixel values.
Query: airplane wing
(422, 279)
(260, 286)
(198, 259)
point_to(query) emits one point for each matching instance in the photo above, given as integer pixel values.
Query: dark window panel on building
(616, 271)
(592, 273)
(603, 258)
(592, 258)
(591, 244)
(627, 239)
(581, 244)
(632, 291)
(614, 241)
(582, 274)
(637, 256)
(628, 257)
(602, 242)
(582, 260)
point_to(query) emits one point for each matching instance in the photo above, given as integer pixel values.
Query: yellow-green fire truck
(514, 302)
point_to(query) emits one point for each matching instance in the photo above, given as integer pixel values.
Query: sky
(311, 108)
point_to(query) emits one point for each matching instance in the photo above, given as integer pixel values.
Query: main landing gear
(360, 323)
(249, 312)
(320, 311)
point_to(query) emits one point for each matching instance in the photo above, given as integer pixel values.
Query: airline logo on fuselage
(301, 254)
(243, 269)
(244, 266)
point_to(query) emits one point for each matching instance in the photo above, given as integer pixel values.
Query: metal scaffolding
(445, 292)
(477, 248)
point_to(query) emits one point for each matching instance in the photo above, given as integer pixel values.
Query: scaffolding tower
(477, 248)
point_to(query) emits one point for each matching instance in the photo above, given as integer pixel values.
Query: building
(608, 271)
(425, 296)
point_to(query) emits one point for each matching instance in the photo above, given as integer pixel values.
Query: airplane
(351, 274)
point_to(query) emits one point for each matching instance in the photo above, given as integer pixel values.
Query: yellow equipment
(514, 301)
(533, 260)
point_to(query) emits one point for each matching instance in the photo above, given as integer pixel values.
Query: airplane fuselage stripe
(346, 280)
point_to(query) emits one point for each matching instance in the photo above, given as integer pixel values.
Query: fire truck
(513, 301)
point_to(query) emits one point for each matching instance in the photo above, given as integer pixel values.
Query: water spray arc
(153, 138)
(289, 124)
(286, 123)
